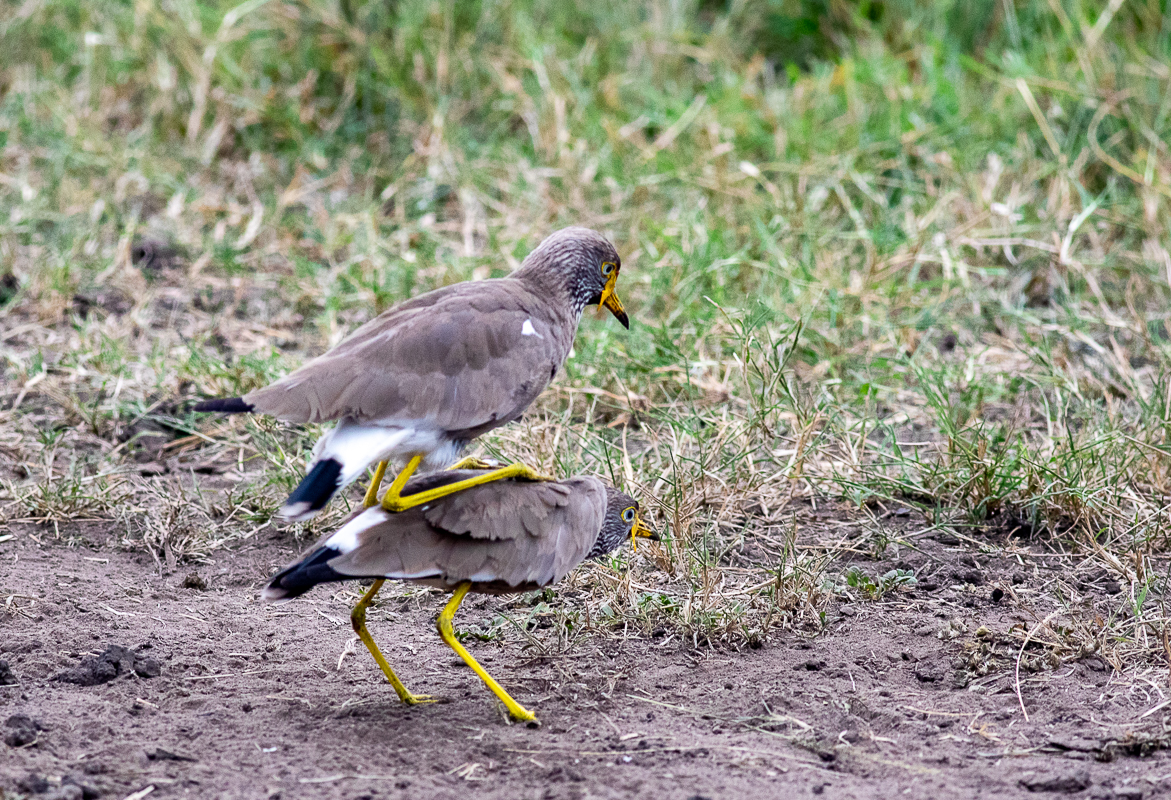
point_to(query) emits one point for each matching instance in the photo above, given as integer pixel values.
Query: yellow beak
(640, 530)
(610, 300)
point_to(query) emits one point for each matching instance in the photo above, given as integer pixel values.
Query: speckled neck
(565, 267)
(613, 531)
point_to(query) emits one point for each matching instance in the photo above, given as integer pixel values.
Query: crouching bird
(503, 537)
(415, 384)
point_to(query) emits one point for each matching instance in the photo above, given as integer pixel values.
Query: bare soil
(212, 694)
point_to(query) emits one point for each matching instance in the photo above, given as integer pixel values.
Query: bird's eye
(607, 268)
(628, 515)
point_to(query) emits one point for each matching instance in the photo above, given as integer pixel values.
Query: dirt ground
(218, 695)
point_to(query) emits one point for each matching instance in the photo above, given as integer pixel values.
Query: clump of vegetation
(875, 587)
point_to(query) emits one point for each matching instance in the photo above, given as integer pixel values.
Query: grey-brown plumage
(507, 536)
(437, 371)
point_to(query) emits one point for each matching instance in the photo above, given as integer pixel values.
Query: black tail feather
(225, 405)
(314, 490)
(299, 578)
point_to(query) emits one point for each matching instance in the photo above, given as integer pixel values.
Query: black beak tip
(625, 320)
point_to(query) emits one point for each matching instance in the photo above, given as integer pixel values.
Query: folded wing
(465, 359)
(507, 532)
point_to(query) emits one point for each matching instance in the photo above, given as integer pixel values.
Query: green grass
(887, 253)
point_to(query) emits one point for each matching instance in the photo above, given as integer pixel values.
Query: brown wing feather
(491, 512)
(455, 358)
(562, 521)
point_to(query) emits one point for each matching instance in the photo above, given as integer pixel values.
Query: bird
(421, 380)
(507, 536)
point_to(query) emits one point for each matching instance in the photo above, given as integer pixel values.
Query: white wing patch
(528, 330)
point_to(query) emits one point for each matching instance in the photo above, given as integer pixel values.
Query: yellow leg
(515, 709)
(393, 501)
(371, 498)
(358, 619)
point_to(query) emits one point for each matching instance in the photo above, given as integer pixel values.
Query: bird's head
(623, 521)
(585, 263)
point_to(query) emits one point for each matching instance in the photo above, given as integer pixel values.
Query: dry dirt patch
(912, 696)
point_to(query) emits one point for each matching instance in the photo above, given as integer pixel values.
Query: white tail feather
(357, 446)
(347, 538)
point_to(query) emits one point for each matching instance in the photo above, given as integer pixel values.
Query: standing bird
(505, 537)
(420, 381)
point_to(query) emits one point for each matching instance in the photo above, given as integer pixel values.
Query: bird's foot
(518, 713)
(418, 699)
(526, 473)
